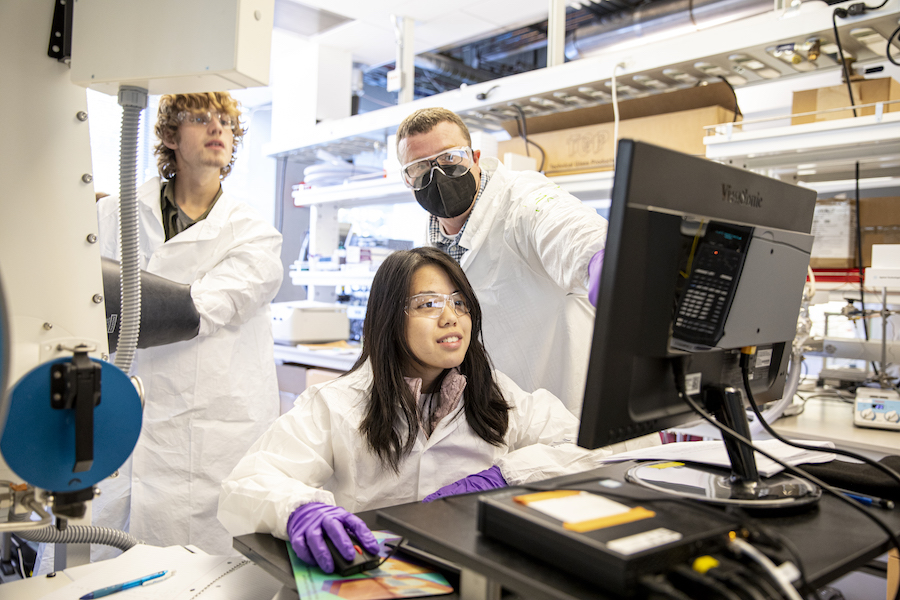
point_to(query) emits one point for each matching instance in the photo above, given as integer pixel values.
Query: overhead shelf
(331, 278)
(651, 67)
(821, 155)
(357, 193)
(593, 188)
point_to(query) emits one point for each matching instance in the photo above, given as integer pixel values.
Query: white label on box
(763, 358)
(832, 228)
(644, 541)
(579, 507)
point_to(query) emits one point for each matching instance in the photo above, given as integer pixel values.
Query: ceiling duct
(452, 68)
(658, 19)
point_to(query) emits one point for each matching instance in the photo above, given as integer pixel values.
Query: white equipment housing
(309, 322)
(159, 46)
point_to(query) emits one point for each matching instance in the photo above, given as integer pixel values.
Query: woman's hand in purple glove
(308, 525)
(594, 269)
(479, 482)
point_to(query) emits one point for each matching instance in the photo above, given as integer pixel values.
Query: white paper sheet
(199, 575)
(714, 453)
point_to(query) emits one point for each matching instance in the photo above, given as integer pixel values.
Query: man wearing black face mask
(530, 250)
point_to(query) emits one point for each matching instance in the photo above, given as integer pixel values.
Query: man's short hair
(167, 124)
(426, 119)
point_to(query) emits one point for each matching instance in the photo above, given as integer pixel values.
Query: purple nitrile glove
(594, 268)
(479, 482)
(307, 526)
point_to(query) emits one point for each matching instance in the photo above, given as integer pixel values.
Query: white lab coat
(315, 453)
(209, 398)
(529, 246)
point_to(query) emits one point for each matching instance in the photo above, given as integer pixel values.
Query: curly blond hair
(167, 124)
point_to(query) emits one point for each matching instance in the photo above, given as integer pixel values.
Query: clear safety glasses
(432, 305)
(453, 162)
(204, 118)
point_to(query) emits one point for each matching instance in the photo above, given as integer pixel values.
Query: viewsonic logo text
(729, 194)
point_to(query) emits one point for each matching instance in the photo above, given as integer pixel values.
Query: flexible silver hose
(21, 521)
(133, 101)
(78, 534)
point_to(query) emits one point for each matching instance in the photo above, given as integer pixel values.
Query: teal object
(38, 441)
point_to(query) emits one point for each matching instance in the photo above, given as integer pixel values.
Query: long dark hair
(391, 424)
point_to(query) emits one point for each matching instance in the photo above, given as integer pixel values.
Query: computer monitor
(702, 259)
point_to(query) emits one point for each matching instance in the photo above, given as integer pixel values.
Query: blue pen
(867, 500)
(122, 586)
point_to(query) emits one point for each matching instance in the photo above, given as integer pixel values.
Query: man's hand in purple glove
(479, 482)
(594, 268)
(308, 525)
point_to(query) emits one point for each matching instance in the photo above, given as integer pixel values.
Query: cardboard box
(715, 94)
(581, 140)
(591, 148)
(893, 573)
(834, 225)
(865, 91)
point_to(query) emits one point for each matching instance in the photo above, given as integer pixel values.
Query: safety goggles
(204, 118)
(431, 306)
(453, 162)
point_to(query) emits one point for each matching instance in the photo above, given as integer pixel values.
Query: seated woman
(420, 415)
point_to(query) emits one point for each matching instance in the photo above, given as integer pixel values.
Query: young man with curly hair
(208, 398)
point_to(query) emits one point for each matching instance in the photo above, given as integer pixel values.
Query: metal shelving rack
(783, 152)
(652, 67)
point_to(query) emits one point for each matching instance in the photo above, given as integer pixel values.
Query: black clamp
(60, 46)
(76, 384)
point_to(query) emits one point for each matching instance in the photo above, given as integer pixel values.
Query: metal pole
(556, 33)
(885, 383)
(406, 58)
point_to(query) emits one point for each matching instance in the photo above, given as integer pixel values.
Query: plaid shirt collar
(450, 244)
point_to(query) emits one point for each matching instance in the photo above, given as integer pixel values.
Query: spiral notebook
(194, 576)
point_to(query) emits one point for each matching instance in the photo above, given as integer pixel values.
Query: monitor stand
(742, 486)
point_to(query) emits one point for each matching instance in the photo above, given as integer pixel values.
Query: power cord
(742, 548)
(523, 132)
(844, 13)
(745, 377)
(895, 542)
(737, 108)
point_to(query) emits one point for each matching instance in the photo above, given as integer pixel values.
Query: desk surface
(826, 419)
(832, 539)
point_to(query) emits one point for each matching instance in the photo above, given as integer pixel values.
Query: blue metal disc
(38, 441)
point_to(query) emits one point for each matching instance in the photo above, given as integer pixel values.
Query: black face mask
(448, 197)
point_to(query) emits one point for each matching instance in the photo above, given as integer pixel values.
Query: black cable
(705, 582)
(793, 470)
(842, 12)
(659, 585)
(768, 532)
(745, 376)
(484, 95)
(742, 583)
(523, 131)
(768, 590)
(392, 552)
(891, 37)
(737, 108)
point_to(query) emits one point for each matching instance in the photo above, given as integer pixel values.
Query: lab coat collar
(485, 211)
(207, 229)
